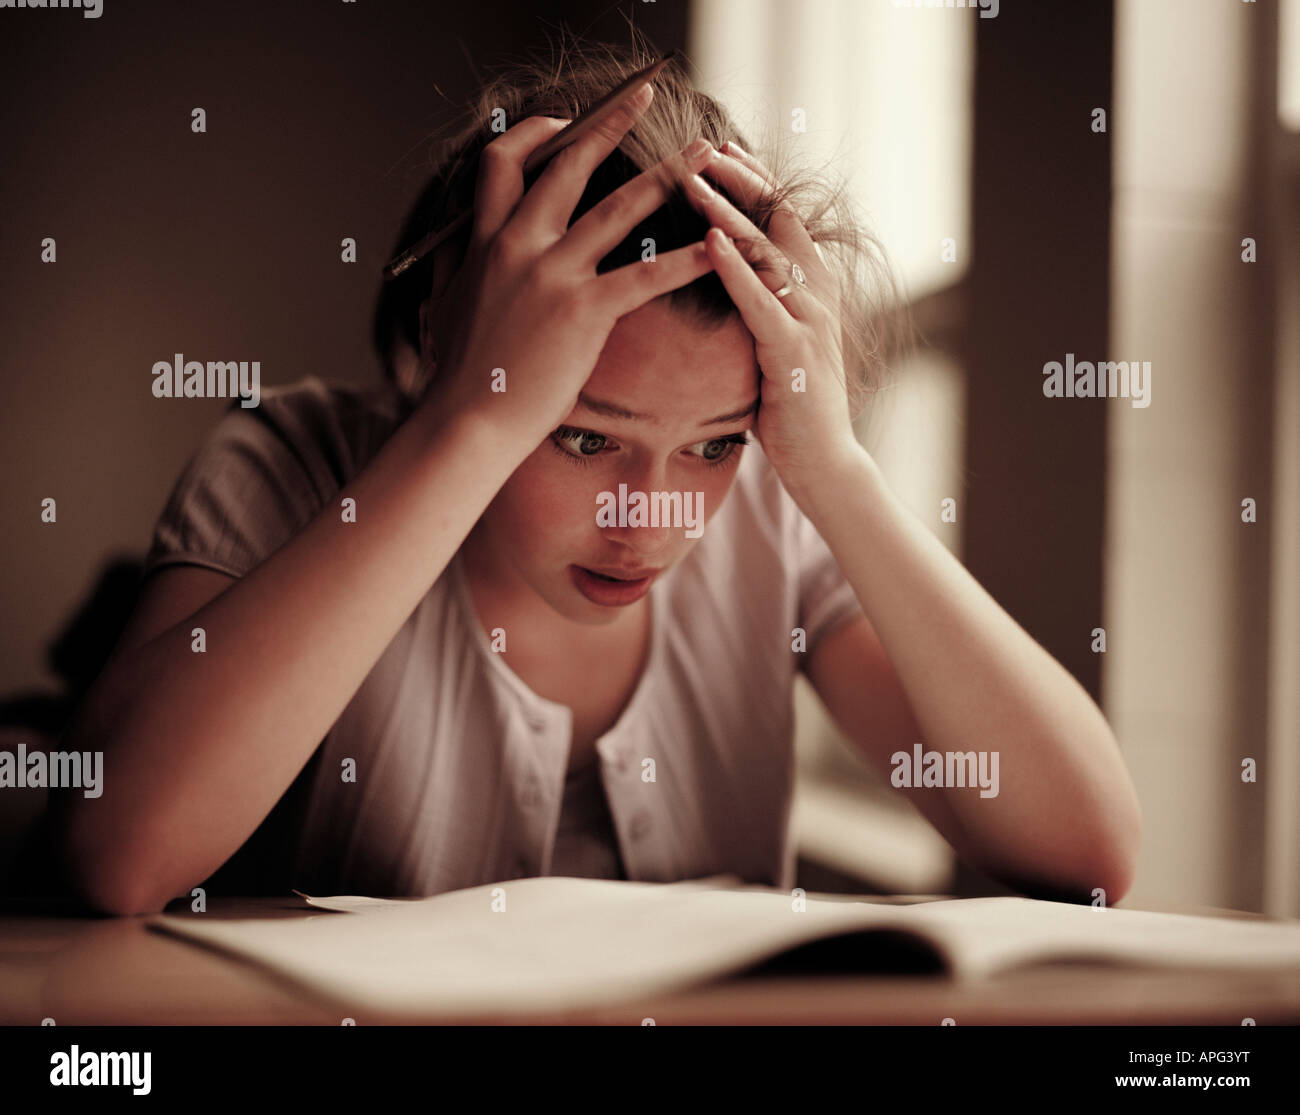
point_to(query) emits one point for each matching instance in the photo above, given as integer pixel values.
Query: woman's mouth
(608, 589)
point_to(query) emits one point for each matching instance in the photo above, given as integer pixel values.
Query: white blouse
(460, 767)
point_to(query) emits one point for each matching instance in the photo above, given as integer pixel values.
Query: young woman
(426, 661)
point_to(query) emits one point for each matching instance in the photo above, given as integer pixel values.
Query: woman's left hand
(803, 421)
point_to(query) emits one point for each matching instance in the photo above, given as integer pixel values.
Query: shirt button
(620, 761)
(640, 826)
(521, 868)
(536, 723)
(531, 798)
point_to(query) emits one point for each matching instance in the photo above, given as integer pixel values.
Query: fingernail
(722, 240)
(643, 96)
(731, 147)
(696, 149)
(701, 188)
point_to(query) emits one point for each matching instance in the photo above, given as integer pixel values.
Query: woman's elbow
(1118, 865)
(1092, 861)
(114, 894)
(101, 874)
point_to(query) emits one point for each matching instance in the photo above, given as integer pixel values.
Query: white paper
(566, 943)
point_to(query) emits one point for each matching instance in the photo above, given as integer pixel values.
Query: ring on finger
(797, 279)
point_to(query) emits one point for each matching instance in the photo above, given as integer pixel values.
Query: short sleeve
(826, 599)
(263, 474)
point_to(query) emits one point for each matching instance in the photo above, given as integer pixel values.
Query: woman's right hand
(527, 299)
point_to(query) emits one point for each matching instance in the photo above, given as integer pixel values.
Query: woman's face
(648, 419)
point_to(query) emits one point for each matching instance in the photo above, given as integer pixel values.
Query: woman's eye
(581, 446)
(579, 443)
(719, 449)
(712, 450)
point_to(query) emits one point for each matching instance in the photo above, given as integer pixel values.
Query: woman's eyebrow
(613, 410)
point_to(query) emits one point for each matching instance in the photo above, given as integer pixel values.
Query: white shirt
(460, 767)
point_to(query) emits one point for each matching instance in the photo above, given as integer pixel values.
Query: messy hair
(874, 324)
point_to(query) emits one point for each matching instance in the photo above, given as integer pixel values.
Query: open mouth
(609, 590)
(613, 580)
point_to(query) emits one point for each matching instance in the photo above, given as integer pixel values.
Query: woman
(507, 680)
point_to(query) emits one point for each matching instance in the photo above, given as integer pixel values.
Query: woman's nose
(643, 540)
(642, 496)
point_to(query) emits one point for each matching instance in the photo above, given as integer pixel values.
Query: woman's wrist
(489, 436)
(819, 491)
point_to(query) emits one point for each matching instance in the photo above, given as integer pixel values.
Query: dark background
(226, 246)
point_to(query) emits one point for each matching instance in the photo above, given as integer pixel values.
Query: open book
(564, 943)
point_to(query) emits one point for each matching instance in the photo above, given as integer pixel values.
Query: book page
(564, 943)
(529, 944)
(984, 935)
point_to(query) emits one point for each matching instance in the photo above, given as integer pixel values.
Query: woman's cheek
(549, 496)
(716, 486)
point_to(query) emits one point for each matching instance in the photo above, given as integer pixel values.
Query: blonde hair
(874, 323)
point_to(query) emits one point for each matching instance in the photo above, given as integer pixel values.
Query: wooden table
(115, 971)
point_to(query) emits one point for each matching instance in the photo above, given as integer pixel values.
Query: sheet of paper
(983, 935)
(556, 943)
(560, 943)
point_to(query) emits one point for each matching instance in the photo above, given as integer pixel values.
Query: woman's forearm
(1065, 810)
(199, 747)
